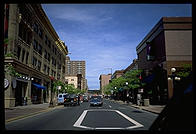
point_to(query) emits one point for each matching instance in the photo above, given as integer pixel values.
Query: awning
(39, 86)
(149, 79)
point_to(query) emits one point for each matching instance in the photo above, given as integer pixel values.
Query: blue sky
(106, 35)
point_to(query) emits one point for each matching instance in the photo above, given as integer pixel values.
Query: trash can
(146, 102)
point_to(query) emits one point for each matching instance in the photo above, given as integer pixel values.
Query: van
(61, 98)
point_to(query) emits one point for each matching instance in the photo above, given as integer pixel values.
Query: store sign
(6, 83)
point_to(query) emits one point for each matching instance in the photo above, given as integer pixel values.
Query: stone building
(34, 54)
(167, 45)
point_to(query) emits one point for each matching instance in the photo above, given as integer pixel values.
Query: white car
(61, 98)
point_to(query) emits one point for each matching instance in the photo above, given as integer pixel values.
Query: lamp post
(127, 92)
(173, 77)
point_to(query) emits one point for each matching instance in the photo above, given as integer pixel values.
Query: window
(27, 56)
(23, 55)
(45, 54)
(18, 53)
(53, 48)
(35, 27)
(48, 57)
(34, 62)
(44, 69)
(55, 51)
(35, 45)
(54, 73)
(40, 33)
(39, 65)
(72, 79)
(58, 76)
(46, 39)
(48, 71)
(63, 69)
(49, 44)
(40, 49)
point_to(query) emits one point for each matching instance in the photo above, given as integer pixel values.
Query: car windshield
(96, 66)
(96, 97)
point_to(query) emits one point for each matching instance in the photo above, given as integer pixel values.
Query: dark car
(71, 100)
(96, 101)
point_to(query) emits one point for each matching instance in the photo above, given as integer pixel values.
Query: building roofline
(160, 25)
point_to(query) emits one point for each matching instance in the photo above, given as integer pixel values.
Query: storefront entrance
(20, 92)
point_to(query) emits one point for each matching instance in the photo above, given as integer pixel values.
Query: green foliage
(10, 55)
(58, 83)
(132, 77)
(6, 41)
(9, 69)
(185, 71)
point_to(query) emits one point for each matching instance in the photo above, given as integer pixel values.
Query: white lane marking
(131, 120)
(81, 118)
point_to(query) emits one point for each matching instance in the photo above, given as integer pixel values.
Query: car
(96, 101)
(67, 100)
(71, 100)
(85, 98)
(61, 98)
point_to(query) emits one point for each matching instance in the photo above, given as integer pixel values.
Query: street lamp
(173, 76)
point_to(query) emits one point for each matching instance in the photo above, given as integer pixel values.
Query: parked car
(96, 101)
(61, 98)
(71, 100)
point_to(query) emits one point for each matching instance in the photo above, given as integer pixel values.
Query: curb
(139, 107)
(146, 110)
(31, 114)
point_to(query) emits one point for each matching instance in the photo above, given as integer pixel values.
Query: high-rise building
(34, 55)
(76, 68)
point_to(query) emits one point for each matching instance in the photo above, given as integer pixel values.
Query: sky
(106, 35)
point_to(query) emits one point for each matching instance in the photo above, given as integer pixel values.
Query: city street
(111, 116)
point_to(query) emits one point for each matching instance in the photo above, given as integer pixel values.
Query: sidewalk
(19, 112)
(151, 108)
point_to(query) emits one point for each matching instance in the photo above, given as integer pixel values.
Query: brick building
(167, 45)
(104, 80)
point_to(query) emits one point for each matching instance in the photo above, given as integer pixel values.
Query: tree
(132, 77)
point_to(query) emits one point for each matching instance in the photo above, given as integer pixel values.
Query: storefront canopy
(39, 86)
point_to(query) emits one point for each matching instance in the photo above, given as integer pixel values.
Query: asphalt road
(111, 116)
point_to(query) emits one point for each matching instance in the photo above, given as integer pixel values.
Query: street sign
(6, 83)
